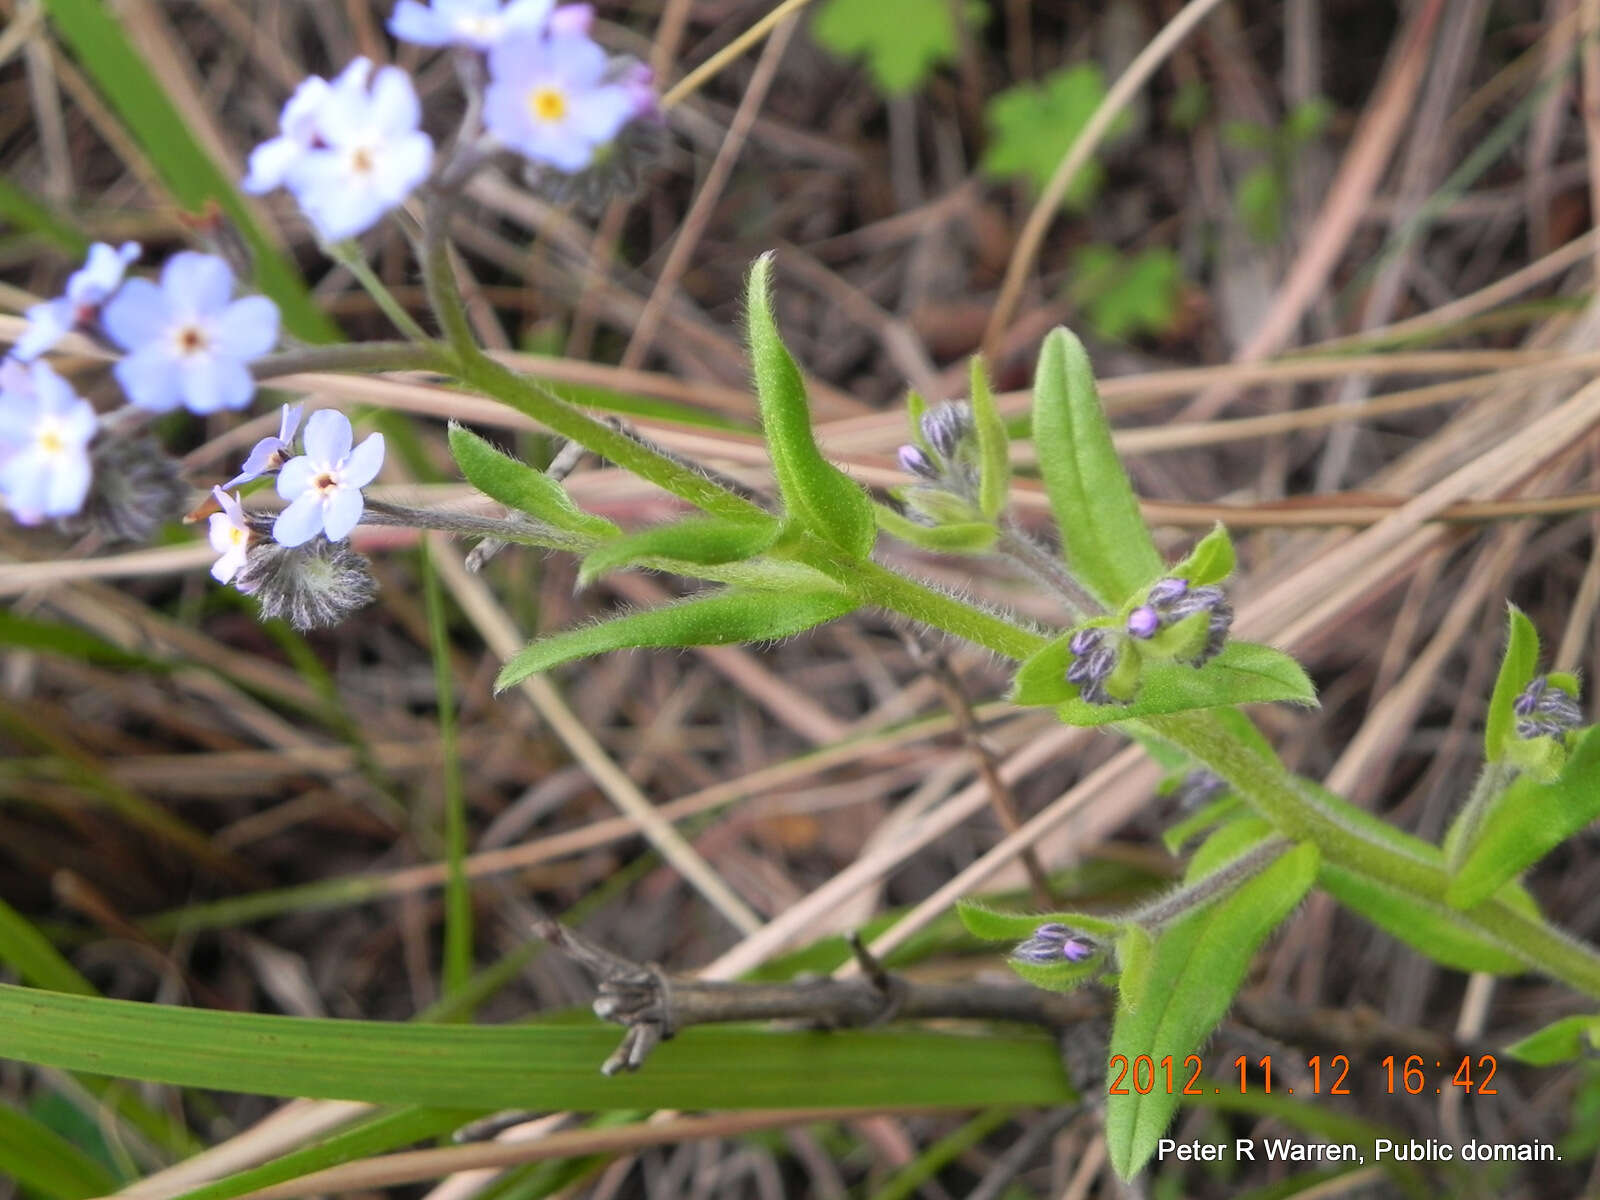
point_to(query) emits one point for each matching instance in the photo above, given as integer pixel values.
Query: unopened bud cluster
(1172, 600)
(1055, 943)
(949, 460)
(1545, 710)
(1094, 659)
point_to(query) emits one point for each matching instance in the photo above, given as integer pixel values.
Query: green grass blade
(26, 951)
(98, 40)
(44, 1162)
(552, 1066)
(23, 211)
(457, 890)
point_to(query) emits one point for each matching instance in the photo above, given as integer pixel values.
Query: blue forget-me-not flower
(323, 485)
(270, 453)
(187, 339)
(45, 430)
(87, 289)
(475, 23)
(554, 99)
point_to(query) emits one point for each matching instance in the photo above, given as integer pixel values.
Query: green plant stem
(348, 254)
(363, 358)
(1492, 780)
(1047, 568)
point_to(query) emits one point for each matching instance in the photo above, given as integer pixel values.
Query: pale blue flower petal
(149, 378)
(48, 323)
(300, 522)
(602, 114)
(288, 422)
(199, 283)
(415, 23)
(395, 110)
(246, 329)
(341, 512)
(327, 437)
(66, 486)
(214, 384)
(296, 476)
(137, 315)
(362, 465)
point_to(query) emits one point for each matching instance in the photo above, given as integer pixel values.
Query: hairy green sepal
(822, 498)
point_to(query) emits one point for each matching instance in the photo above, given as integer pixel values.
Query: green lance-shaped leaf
(1527, 821)
(994, 454)
(1243, 673)
(1211, 560)
(1107, 545)
(1559, 1042)
(816, 493)
(992, 926)
(1194, 966)
(517, 485)
(962, 537)
(1436, 930)
(1516, 670)
(721, 618)
(694, 542)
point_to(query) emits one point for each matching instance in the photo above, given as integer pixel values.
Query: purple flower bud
(1545, 710)
(1164, 591)
(1077, 949)
(1143, 622)
(1085, 640)
(1052, 943)
(914, 462)
(947, 427)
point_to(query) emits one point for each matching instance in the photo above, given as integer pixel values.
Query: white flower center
(51, 439)
(362, 160)
(190, 340)
(479, 28)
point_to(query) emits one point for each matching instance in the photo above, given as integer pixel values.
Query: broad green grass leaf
(718, 619)
(1243, 673)
(546, 1066)
(818, 494)
(694, 541)
(1517, 666)
(963, 537)
(21, 210)
(1195, 967)
(1559, 1042)
(92, 31)
(1211, 560)
(1102, 532)
(29, 953)
(1527, 821)
(1032, 127)
(902, 40)
(994, 456)
(45, 1163)
(517, 485)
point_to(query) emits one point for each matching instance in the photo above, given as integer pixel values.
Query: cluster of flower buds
(351, 150)
(1172, 600)
(185, 342)
(1053, 943)
(1094, 659)
(297, 565)
(948, 461)
(1544, 709)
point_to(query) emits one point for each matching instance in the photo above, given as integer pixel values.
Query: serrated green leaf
(1195, 967)
(695, 542)
(902, 40)
(1562, 1041)
(1103, 534)
(815, 492)
(994, 456)
(1033, 126)
(1527, 821)
(1517, 668)
(992, 926)
(963, 537)
(1243, 673)
(1211, 561)
(517, 485)
(718, 619)
(96, 37)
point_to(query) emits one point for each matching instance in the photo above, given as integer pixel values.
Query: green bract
(1102, 532)
(1516, 671)
(994, 926)
(1527, 821)
(1243, 673)
(1175, 992)
(819, 496)
(1211, 560)
(1561, 1041)
(994, 456)
(519, 486)
(731, 615)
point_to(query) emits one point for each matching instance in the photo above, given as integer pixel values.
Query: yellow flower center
(547, 104)
(50, 441)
